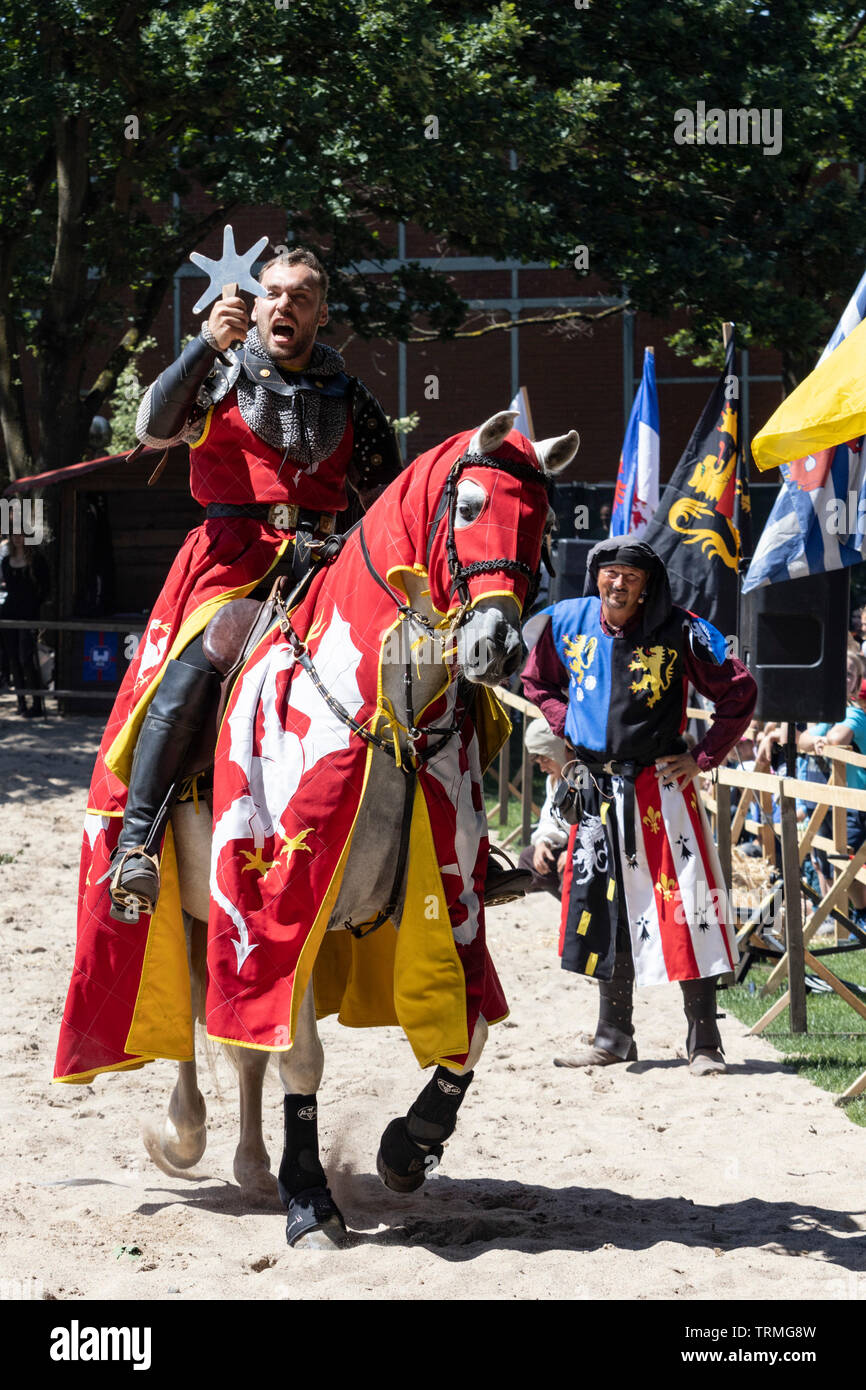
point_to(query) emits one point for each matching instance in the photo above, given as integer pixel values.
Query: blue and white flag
(637, 483)
(523, 423)
(818, 521)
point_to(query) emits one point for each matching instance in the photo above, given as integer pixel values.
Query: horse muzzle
(490, 648)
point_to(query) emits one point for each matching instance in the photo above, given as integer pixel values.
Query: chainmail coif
(306, 427)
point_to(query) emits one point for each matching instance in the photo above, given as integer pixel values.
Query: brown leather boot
(703, 1041)
(595, 1057)
(614, 1033)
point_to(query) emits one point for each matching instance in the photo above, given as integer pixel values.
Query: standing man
(643, 895)
(275, 430)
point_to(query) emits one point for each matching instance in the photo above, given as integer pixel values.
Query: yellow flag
(826, 409)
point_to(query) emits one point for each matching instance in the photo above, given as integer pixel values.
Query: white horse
(487, 647)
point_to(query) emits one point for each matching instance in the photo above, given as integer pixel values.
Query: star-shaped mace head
(230, 269)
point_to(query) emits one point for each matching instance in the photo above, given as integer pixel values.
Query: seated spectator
(544, 857)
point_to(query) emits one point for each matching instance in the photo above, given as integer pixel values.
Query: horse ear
(553, 454)
(488, 438)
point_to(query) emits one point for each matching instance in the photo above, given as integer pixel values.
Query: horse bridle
(460, 575)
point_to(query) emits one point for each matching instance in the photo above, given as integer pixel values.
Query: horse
(422, 609)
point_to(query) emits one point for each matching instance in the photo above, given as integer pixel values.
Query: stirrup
(127, 905)
(504, 885)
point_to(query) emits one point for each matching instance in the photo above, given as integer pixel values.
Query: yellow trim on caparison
(83, 1078)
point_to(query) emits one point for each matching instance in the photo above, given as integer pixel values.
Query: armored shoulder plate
(219, 380)
(376, 456)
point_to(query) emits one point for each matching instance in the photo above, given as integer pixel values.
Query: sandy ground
(640, 1182)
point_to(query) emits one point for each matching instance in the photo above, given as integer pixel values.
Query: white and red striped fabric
(678, 910)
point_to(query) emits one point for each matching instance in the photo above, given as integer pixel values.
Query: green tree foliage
(126, 398)
(725, 231)
(131, 131)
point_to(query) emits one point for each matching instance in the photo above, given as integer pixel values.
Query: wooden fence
(780, 841)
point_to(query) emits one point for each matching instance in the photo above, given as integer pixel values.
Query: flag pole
(727, 334)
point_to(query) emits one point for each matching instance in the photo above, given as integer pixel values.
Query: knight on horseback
(275, 429)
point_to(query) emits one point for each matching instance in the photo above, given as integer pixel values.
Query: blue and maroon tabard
(626, 695)
(642, 859)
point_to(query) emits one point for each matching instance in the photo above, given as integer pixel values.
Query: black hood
(624, 550)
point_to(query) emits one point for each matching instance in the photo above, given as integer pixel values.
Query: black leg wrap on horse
(615, 1030)
(300, 1169)
(405, 1162)
(699, 1003)
(433, 1117)
(412, 1145)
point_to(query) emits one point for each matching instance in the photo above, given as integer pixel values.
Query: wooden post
(768, 835)
(839, 777)
(793, 915)
(504, 753)
(723, 832)
(526, 795)
(64, 675)
(727, 330)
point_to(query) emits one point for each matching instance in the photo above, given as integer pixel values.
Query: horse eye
(471, 498)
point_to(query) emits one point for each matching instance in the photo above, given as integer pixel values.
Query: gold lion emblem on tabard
(580, 652)
(656, 668)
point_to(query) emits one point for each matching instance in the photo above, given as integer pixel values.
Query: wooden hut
(110, 543)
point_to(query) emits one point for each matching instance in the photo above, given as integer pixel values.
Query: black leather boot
(176, 714)
(614, 1033)
(703, 1041)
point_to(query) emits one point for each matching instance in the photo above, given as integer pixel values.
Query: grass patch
(491, 801)
(9, 858)
(833, 1052)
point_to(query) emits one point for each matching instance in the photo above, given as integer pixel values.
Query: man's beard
(300, 345)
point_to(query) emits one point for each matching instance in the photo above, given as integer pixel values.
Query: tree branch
(510, 324)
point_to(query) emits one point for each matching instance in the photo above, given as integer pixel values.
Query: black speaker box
(794, 640)
(570, 565)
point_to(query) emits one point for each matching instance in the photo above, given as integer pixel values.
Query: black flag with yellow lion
(698, 528)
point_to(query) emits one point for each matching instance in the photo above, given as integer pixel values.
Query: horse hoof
(401, 1163)
(253, 1175)
(183, 1150)
(315, 1222)
(257, 1183)
(171, 1154)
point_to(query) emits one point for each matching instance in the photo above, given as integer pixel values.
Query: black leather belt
(285, 516)
(629, 770)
